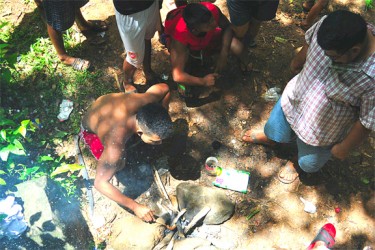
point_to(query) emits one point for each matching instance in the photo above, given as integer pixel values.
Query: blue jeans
(310, 158)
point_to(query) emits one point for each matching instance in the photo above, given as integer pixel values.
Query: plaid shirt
(325, 99)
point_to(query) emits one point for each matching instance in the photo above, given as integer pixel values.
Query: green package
(233, 179)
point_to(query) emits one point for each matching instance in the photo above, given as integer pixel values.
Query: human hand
(305, 25)
(144, 213)
(339, 151)
(209, 80)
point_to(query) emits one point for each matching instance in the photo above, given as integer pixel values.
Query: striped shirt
(325, 99)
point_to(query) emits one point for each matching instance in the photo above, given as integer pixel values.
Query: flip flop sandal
(326, 234)
(80, 64)
(286, 169)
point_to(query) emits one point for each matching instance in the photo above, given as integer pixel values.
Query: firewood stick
(196, 218)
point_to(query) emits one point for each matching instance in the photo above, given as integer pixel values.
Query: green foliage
(7, 60)
(17, 161)
(369, 4)
(41, 56)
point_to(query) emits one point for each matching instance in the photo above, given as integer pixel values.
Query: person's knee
(310, 164)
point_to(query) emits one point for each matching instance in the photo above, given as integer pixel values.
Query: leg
(89, 26)
(277, 129)
(310, 160)
(58, 42)
(129, 71)
(39, 4)
(149, 74)
(249, 38)
(237, 48)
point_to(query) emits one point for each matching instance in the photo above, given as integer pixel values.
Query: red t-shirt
(176, 28)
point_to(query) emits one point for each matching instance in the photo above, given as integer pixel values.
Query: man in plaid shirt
(329, 106)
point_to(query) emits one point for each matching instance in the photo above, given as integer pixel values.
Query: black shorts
(242, 11)
(60, 14)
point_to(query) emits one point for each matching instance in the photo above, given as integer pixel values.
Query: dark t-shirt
(128, 7)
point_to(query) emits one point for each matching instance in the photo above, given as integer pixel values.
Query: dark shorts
(242, 11)
(60, 14)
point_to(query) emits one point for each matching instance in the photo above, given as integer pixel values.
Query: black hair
(195, 14)
(341, 30)
(153, 118)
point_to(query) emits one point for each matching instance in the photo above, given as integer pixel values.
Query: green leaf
(11, 149)
(18, 144)
(46, 158)
(24, 123)
(365, 180)
(3, 134)
(22, 130)
(61, 134)
(2, 172)
(30, 171)
(4, 122)
(280, 39)
(65, 168)
(6, 75)
(253, 212)
(4, 154)
(2, 183)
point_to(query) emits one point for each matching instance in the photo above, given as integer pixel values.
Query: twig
(171, 243)
(160, 185)
(164, 241)
(196, 218)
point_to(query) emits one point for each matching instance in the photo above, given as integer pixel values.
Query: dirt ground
(220, 116)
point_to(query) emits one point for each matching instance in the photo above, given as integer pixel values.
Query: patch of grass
(39, 83)
(5, 31)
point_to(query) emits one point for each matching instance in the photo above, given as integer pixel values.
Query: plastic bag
(12, 222)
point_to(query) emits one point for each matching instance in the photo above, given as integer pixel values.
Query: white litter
(272, 94)
(309, 206)
(14, 224)
(66, 108)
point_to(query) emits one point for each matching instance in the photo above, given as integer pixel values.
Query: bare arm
(113, 159)
(158, 93)
(355, 137)
(314, 12)
(299, 60)
(224, 24)
(179, 57)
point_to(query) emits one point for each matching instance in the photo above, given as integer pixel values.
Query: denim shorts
(310, 158)
(242, 11)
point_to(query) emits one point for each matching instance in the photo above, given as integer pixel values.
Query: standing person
(60, 16)
(314, 8)
(247, 16)
(200, 28)
(110, 121)
(137, 22)
(329, 106)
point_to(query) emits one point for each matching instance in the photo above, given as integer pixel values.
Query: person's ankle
(66, 59)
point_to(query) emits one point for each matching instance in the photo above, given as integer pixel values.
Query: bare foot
(288, 173)
(76, 63)
(257, 137)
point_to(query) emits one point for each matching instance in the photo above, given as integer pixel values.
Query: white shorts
(135, 29)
